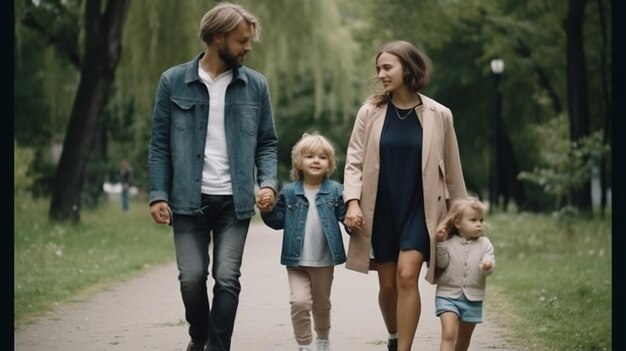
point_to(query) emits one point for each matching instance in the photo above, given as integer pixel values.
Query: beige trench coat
(441, 173)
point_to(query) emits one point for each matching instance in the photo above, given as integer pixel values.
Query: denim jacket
(179, 129)
(290, 214)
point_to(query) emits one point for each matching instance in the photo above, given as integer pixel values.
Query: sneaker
(302, 348)
(197, 345)
(322, 344)
(392, 345)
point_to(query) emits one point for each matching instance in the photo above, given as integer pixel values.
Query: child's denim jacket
(290, 214)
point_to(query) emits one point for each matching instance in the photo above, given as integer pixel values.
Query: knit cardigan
(461, 261)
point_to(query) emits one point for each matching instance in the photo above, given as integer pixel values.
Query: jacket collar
(425, 113)
(192, 75)
(324, 188)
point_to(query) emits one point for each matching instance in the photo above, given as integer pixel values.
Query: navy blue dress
(399, 220)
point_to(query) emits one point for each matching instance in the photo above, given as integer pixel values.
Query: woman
(402, 169)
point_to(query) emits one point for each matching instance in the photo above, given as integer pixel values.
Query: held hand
(486, 266)
(441, 234)
(160, 212)
(265, 199)
(354, 216)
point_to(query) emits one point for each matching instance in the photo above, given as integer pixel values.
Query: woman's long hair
(416, 67)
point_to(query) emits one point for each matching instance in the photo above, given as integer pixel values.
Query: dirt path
(146, 313)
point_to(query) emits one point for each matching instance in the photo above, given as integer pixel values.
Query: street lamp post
(497, 67)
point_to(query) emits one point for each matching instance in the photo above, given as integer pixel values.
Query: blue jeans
(124, 197)
(192, 236)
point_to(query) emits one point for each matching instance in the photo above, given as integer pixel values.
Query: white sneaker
(322, 344)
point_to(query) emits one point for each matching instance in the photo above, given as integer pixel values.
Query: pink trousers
(310, 296)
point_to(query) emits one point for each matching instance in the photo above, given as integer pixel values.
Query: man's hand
(265, 199)
(160, 212)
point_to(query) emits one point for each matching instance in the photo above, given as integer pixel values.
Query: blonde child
(310, 210)
(467, 258)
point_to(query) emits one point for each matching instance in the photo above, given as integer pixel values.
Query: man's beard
(229, 59)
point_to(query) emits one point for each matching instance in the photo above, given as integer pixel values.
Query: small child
(466, 258)
(310, 210)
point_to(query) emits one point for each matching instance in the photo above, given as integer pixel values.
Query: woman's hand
(354, 216)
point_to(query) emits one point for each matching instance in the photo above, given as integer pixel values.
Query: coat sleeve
(266, 158)
(159, 157)
(341, 209)
(443, 256)
(353, 170)
(454, 171)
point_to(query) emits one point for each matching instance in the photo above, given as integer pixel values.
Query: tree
(606, 99)
(577, 97)
(103, 27)
(299, 39)
(318, 58)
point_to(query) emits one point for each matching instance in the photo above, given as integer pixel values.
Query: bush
(23, 178)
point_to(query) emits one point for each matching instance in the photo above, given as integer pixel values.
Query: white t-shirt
(315, 251)
(216, 171)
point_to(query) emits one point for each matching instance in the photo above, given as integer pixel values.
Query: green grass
(57, 263)
(552, 288)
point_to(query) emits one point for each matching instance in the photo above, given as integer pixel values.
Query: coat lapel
(425, 116)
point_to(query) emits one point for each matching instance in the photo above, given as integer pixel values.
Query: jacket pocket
(248, 118)
(182, 113)
(293, 205)
(330, 203)
(442, 179)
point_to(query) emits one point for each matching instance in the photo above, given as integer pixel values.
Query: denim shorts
(468, 311)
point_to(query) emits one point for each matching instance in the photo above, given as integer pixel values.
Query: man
(212, 129)
(126, 179)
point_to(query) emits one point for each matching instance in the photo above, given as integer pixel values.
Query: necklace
(401, 117)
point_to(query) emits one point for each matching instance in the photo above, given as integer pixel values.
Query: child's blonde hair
(311, 142)
(457, 209)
